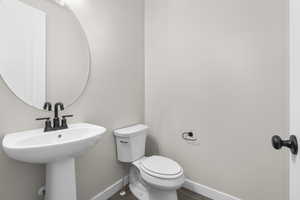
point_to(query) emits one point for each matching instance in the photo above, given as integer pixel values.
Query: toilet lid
(161, 165)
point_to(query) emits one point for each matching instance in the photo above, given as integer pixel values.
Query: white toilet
(150, 178)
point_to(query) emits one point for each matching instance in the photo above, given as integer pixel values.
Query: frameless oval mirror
(44, 52)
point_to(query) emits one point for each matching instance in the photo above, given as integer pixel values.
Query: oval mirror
(44, 52)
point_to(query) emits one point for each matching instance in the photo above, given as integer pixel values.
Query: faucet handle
(64, 123)
(48, 126)
(43, 118)
(65, 116)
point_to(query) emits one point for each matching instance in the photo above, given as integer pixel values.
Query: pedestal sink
(57, 150)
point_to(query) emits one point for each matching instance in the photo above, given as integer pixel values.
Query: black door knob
(292, 143)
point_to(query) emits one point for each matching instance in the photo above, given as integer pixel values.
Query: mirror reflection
(44, 53)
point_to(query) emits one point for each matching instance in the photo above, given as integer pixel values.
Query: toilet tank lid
(130, 131)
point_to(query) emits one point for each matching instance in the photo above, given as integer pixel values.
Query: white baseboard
(189, 184)
(111, 190)
(207, 191)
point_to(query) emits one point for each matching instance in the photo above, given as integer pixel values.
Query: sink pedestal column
(60, 180)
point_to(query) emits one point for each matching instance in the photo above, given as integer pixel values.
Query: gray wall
(220, 68)
(114, 98)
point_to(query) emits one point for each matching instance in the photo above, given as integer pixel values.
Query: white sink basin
(35, 146)
(57, 149)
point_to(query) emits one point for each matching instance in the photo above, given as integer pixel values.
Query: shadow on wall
(152, 147)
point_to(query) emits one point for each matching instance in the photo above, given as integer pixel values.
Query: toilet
(150, 178)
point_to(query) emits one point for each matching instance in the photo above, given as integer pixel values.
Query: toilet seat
(161, 167)
(160, 173)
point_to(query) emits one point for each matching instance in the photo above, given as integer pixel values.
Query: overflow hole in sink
(59, 136)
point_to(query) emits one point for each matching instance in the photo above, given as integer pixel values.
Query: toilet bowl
(150, 178)
(155, 177)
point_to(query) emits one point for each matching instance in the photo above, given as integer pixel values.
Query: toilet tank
(131, 142)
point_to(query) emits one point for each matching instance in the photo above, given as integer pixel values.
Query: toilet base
(155, 194)
(139, 191)
(143, 191)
